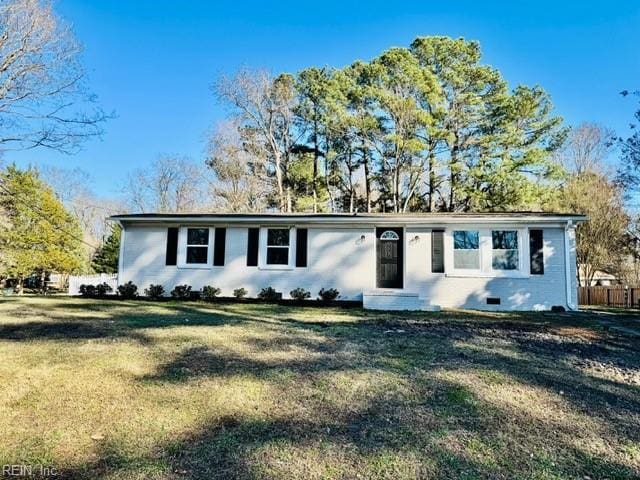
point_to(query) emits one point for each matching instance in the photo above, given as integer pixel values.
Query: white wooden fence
(75, 281)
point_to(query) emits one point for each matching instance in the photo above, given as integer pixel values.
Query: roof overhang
(341, 219)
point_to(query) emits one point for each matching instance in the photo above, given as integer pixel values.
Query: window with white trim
(197, 251)
(504, 253)
(278, 244)
(466, 250)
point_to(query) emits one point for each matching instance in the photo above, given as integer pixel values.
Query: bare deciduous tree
(264, 108)
(586, 149)
(72, 187)
(43, 96)
(240, 182)
(601, 243)
(171, 184)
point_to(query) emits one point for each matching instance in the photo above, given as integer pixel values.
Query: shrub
(269, 294)
(87, 290)
(154, 292)
(128, 290)
(328, 294)
(239, 293)
(300, 294)
(181, 292)
(209, 292)
(102, 289)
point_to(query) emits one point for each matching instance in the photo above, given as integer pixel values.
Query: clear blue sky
(153, 61)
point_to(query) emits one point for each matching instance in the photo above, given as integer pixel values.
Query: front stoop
(396, 300)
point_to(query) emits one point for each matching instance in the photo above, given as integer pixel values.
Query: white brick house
(502, 261)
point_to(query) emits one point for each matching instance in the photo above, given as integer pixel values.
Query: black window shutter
(172, 246)
(252, 247)
(219, 246)
(437, 251)
(301, 247)
(536, 253)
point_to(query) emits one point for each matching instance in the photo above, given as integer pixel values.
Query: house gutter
(567, 265)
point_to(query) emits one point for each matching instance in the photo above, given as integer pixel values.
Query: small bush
(154, 292)
(269, 294)
(328, 294)
(300, 294)
(102, 289)
(181, 292)
(87, 290)
(209, 292)
(239, 293)
(128, 290)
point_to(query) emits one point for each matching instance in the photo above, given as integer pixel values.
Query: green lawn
(108, 389)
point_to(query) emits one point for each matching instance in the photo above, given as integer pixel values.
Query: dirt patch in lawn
(168, 391)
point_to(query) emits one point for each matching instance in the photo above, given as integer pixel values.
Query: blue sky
(152, 62)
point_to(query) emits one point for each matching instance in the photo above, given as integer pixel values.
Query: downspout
(121, 254)
(567, 266)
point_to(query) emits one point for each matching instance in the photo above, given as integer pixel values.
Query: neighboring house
(600, 278)
(500, 261)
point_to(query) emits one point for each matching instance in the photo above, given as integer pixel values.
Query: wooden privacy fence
(76, 280)
(616, 296)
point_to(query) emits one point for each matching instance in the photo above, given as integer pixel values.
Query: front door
(389, 257)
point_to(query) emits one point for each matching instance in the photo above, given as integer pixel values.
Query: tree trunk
(453, 177)
(19, 286)
(432, 183)
(316, 155)
(367, 179)
(332, 204)
(396, 188)
(281, 197)
(351, 189)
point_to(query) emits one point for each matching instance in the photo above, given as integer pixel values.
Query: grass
(105, 389)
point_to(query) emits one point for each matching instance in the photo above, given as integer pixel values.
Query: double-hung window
(504, 250)
(278, 244)
(486, 252)
(466, 250)
(197, 251)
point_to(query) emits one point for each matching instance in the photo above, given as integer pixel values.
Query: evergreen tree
(37, 234)
(424, 128)
(105, 260)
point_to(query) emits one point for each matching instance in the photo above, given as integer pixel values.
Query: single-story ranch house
(497, 261)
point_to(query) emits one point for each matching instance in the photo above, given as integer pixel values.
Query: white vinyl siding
(344, 258)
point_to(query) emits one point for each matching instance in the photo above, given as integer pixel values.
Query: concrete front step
(396, 300)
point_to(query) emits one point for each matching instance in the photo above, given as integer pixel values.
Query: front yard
(106, 389)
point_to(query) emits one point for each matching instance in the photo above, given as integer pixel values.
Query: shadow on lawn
(442, 429)
(444, 437)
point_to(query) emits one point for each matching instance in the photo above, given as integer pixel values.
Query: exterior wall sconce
(360, 240)
(415, 239)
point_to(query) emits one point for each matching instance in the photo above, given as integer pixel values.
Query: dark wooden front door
(389, 243)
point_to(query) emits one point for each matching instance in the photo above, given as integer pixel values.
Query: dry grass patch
(106, 389)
